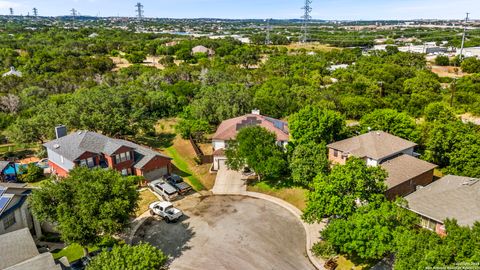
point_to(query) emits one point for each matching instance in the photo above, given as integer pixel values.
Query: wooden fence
(204, 159)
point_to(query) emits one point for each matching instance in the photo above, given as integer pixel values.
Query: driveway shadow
(171, 238)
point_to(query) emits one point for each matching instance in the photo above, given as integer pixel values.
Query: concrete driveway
(230, 232)
(229, 182)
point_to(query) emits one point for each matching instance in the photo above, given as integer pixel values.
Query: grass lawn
(146, 198)
(184, 167)
(73, 252)
(293, 195)
(345, 264)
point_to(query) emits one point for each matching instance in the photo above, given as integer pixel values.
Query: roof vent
(56, 146)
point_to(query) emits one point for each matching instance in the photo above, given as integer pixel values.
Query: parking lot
(229, 232)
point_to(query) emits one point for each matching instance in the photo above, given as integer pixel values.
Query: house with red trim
(91, 149)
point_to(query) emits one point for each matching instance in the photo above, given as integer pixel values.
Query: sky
(254, 9)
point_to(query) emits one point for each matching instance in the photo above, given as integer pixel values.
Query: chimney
(256, 111)
(60, 131)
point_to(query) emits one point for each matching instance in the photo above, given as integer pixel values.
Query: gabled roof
(403, 168)
(376, 145)
(75, 144)
(228, 129)
(449, 197)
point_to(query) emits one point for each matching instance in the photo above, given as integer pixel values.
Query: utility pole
(11, 11)
(267, 38)
(139, 10)
(464, 36)
(35, 12)
(306, 19)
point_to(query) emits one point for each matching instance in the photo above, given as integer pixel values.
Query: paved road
(230, 232)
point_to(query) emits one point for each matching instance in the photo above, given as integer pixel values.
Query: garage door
(155, 174)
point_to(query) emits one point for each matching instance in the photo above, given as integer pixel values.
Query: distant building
(425, 48)
(90, 149)
(392, 153)
(335, 67)
(19, 252)
(203, 49)
(14, 211)
(229, 128)
(470, 52)
(13, 72)
(454, 197)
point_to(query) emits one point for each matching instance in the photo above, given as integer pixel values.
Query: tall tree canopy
(256, 148)
(315, 124)
(391, 121)
(307, 161)
(342, 191)
(87, 204)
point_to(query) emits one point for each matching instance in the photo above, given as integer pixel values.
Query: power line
(267, 37)
(464, 36)
(139, 10)
(35, 12)
(306, 19)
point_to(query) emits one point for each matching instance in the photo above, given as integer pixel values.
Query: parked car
(165, 210)
(178, 183)
(164, 189)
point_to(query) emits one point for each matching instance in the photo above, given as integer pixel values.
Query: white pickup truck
(166, 211)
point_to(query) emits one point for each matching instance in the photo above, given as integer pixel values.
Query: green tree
(142, 256)
(471, 65)
(442, 60)
(423, 89)
(307, 161)
(339, 193)
(370, 232)
(315, 124)
(87, 205)
(136, 57)
(256, 148)
(439, 111)
(31, 173)
(188, 127)
(391, 121)
(465, 157)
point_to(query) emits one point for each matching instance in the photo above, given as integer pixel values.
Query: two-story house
(392, 153)
(229, 128)
(90, 149)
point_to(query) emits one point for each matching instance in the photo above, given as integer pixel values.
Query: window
(335, 153)
(90, 162)
(128, 155)
(83, 162)
(117, 159)
(124, 172)
(9, 221)
(122, 157)
(427, 224)
(61, 159)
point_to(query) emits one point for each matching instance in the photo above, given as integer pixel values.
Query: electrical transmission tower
(139, 10)
(306, 19)
(267, 36)
(11, 11)
(464, 36)
(35, 12)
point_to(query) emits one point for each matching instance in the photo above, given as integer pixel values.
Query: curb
(316, 262)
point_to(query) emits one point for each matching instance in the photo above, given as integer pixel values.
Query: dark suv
(178, 183)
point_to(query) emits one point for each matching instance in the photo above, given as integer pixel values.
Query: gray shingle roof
(18, 252)
(75, 144)
(449, 197)
(376, 145)
(403, 168)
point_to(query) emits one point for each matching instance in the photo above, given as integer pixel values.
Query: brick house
(90, 149)
(229, 128)
(454, 197)
(392, 153)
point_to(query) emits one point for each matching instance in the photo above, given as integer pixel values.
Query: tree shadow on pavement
(171, 238)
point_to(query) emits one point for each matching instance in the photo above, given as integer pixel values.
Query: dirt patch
(448, 71)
